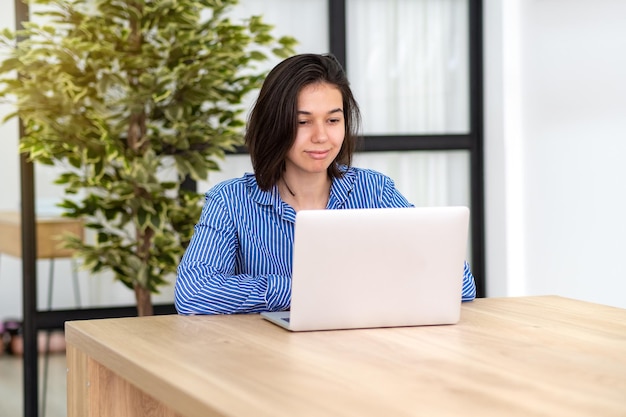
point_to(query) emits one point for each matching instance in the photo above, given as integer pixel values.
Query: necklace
(288, 189)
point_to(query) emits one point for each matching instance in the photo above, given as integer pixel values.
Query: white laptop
(366, 268)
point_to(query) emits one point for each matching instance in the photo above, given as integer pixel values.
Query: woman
(301, 136)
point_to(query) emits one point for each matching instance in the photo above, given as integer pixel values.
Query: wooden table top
(521, 356)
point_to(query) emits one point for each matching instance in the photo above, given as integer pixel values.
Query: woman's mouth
(318, 154)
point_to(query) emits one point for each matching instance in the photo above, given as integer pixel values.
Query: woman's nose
(320, 134)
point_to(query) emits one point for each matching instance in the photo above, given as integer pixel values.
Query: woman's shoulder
(367, 172)
(357, 174)
(240, 191)
(366, 187)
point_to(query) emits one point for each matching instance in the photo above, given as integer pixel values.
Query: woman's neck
(305, 194)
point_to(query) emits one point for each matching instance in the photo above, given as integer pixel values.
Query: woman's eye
(334, 121)
(302, 122)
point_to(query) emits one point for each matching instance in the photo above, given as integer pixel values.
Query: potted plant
(130, 98)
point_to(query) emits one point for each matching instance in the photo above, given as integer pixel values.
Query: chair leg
(46, 362)
(46, 353)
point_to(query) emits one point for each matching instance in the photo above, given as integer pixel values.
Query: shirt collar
(339, 191)
(270, 197)
(341, 188)
(265, 198)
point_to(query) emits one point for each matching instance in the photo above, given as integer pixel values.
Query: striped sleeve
(206, 281)
(469, 286)
(391, 197)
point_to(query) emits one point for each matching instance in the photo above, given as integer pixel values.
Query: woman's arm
(206, 281)
(469, 286)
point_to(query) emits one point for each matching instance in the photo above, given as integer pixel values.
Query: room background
(555, 107)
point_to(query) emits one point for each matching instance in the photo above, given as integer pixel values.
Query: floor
(11, 389)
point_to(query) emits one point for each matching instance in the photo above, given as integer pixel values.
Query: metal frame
(29, 264)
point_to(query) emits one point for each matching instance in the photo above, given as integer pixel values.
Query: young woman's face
(321, 129)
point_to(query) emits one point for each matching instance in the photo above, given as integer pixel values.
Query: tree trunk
(143, 297)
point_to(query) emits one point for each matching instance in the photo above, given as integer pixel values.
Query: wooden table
(527, 356)
(49, 231)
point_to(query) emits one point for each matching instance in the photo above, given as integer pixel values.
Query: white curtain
(408, 64)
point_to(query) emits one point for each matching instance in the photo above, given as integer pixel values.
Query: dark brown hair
(272, 125)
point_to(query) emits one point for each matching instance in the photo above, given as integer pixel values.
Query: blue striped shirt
(240, 256)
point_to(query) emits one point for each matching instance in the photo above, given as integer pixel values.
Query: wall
(555, 130)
